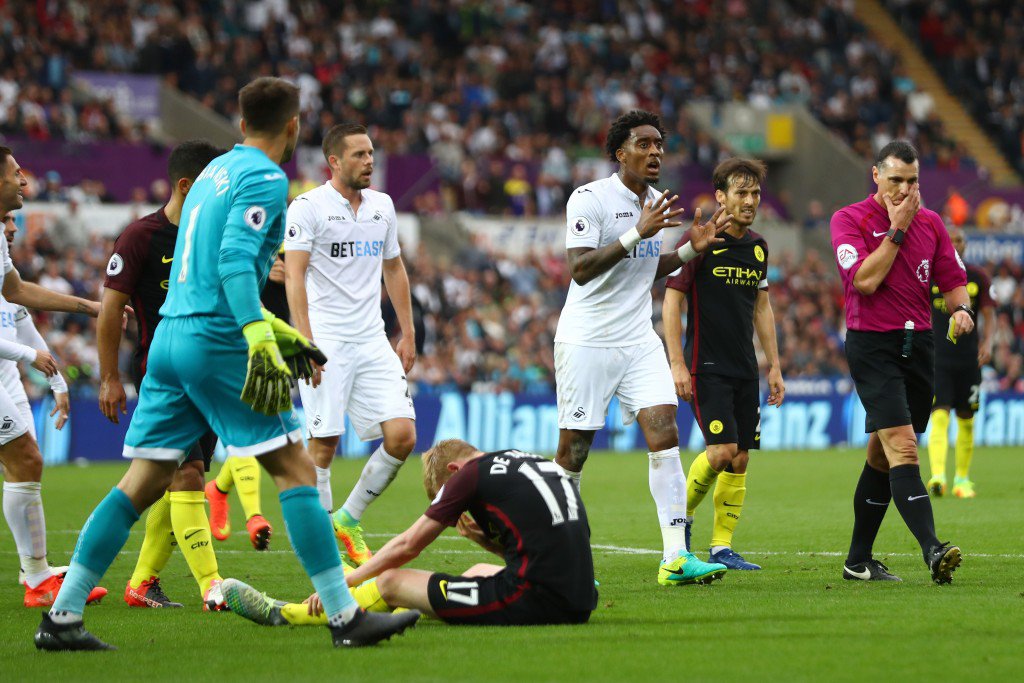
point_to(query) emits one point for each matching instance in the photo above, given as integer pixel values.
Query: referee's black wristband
(967, 309)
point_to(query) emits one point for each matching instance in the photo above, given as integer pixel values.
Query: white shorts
(586, 378)
(15, 418)
(363, 379)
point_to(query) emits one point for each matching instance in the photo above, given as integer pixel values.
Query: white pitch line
(611, 549)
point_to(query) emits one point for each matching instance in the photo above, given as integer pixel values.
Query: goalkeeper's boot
(220, 523)
(351, 536)
(870, 570)
(259, 532)
(963, 488)
(148, 594)
(45, 593)
(369, 628)
(57, 637)
(213, 598)
(942, 561)
(937, 486)
(685, 568)
(732, 559)
(246, 601)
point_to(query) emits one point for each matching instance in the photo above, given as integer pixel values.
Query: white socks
(379, 471)
(576, 477)
(668, 487)
(23, 508)
(323, 487)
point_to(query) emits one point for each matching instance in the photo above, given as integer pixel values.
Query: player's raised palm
(703, 236)
(657, 215)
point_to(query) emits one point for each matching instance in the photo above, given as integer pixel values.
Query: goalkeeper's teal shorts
(195, 372)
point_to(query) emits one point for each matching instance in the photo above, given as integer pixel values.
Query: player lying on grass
(520, 506)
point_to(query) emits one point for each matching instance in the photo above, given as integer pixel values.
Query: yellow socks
(366, 595)
(225, 480)
(245, 472)
(938, 442)
(698, 482)
(158, 543)
(730, 491)
(964, 446)
(192, 529)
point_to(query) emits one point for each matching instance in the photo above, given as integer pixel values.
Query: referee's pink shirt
(926, 255)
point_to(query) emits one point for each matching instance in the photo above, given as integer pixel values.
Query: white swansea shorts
(363, 379)
(15, 417)
(586, 378)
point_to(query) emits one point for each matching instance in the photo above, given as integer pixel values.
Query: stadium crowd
(979, 50)
(504, 95)
(489, 319)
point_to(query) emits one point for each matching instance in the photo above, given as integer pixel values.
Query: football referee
(889, 251)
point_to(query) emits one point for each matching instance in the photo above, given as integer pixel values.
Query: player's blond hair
(435, 463)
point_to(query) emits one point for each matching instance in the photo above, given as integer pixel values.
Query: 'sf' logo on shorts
(6, 424)
(579, 413)
(317, 420)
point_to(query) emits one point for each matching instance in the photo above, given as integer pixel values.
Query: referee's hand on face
(900, 215)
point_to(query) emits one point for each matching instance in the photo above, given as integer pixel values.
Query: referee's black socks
(915, 506)
(870, 501)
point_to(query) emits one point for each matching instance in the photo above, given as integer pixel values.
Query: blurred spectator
(51, 191)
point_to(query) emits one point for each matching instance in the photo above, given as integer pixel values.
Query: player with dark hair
(139, 271)
(718, 370)
(958, 378)
(340, 243)
(19, 452)
(889, 250)
(218, 360)
(517, 505)
(605, 344)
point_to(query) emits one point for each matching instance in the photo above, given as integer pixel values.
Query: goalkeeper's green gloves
(267, 387)
(299, 353)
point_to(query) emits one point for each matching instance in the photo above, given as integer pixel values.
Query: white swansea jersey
(613, 309)
(346, 253)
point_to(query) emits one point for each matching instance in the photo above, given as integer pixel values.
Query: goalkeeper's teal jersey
(232, 225)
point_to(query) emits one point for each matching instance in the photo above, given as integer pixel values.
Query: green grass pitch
(795, 620)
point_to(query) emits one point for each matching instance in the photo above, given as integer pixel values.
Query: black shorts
(496, 601)
(202, 450)
(728, 410)
(958, 385)
(895, 391)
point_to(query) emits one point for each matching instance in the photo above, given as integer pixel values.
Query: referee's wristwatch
(966, 309)
(897, 236)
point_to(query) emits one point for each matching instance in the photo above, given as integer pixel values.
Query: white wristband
(630, 239)
(686, 252)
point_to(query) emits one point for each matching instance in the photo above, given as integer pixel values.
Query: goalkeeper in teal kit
(218, 359)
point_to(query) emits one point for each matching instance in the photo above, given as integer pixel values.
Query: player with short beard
(341, 240)
(605, 344)
(727, 291)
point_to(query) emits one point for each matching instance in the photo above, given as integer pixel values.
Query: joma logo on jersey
(623, 214)
(335, 218)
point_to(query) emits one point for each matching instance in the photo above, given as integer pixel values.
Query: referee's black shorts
(895, 391)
